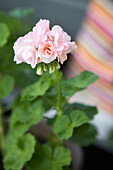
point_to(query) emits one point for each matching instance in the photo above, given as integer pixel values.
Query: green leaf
(78, 118)
(19, 153)
(40, 87)
(4, 34)
(85, 134)
(21, 12)
(63, 127)
(23, 118)
(80, 82)
(37, 89)
(47, 159)
(62, 156)
(90, 111)
(6, 86)
(84, 79)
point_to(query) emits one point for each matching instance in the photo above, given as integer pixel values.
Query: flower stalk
(59, 109)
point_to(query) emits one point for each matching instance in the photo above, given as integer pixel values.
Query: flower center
(48, 50)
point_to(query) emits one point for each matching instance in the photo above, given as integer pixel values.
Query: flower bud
(45, 67)
(57, 65)
(51, 68)
(39, 70)
(74, 49)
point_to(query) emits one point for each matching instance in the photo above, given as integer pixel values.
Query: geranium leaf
(84, 79)
(19, 153)
(90, 111)
(6, 86)
(37, 89)
(78, 118)
(63, 126)
(85, 134)
(45, 158)
(4, 34)
(23, 118)
(62, 155)
(80, 82)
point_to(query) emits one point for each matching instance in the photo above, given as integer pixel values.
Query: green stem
(59, 110)
(2, 142)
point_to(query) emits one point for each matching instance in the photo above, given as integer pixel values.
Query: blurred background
(67, 13)
(90, 24)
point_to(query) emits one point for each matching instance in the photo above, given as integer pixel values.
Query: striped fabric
(95, 53)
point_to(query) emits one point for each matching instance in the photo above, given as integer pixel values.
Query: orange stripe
(90, 46)
(95, 8)
(101, 6)
(99, 30)
(92, 32)
(99, 65)
(104, 89)
(107, 85)
(101, 102)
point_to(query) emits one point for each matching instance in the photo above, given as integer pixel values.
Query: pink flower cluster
(43, 45)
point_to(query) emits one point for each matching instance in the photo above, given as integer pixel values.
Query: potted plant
(23, 147)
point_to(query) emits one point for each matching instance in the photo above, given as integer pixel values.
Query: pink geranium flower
(43, 45)
(41, 31)
(46, 52)
(62, 43)
(25, 51)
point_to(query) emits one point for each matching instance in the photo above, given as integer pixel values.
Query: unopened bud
(51, 68)
(45, 67)
(74, 49)
(57, 65)
(39, 70)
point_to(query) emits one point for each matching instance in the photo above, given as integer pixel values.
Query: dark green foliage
(4, 34)
(90, 111)
(24, 116)
(75, 119)
(80, 82)
(47, 159)
(19, 153)
(37, 89)
(85, 134)
(6, 86)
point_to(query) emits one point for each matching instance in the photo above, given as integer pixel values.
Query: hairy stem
(59, 110)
